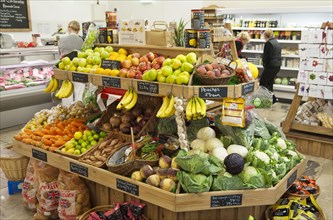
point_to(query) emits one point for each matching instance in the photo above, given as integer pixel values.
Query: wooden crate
(186, 204)
(312, 144)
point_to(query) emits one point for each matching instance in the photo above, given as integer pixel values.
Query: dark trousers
(267, 78)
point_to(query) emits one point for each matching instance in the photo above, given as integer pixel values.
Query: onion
(115, 122)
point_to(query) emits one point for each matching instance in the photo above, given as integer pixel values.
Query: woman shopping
(271, 61)
(242, 39)
(71, 42)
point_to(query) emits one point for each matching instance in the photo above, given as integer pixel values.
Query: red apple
(160, 60)
(138, 76)
(142, 66)
(210, 73)
(135, 61)
(126, 64)
(156, 66)
(137, 55)
(148, 66)
(150, 56)
(144, 59)
(131, 73)
(123, 72)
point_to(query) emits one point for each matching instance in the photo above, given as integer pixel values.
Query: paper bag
(159, 35)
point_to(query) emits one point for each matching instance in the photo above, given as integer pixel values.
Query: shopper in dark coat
(271, 61)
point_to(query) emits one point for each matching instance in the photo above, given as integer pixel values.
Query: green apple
(109, 49)
(90, 59)
(75, 61)
(66, 61)
(166, 70)
(161, 78)
(80, 69)
(175, 64)
(185, 73)
(145, 75)
(177, 72)
(98, 49)
(187, 67)
(152, 75)
(89, 66)
(171, 79)
(96, 60)
(61, 66)
(81, 54)
(167, 62)
(82, 62)
(97, 54)
(181, 57)
(182, 79)
(191, 58)
(105, 54)
(89, 52)
(68, 67)
(73, 68)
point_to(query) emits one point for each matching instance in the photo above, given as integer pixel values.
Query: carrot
(39, 143)
(27, 140)
(52, 149)
(60, 126)
(67, 131)
(77, 124)
(48, 127)
(28, 131)
(46, 147)
(66, 138)
(38, 133)
(36, 138)
(58, 130)
(59, 143)
(47, 141)
(18, 137)
(46, 131)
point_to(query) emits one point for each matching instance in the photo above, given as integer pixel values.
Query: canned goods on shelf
(197, 19)
(203, 38)
(191, 38)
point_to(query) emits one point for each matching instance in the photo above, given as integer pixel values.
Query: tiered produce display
(168, 141)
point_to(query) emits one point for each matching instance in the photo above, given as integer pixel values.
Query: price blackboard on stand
(15, 15)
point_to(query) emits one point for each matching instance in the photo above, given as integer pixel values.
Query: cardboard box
(132, 32)
(305, 36)
(316, 36)
(321, 78)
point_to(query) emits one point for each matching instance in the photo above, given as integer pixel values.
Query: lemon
(77, 135)
(70, 151)
(122, 51)
(107, 72)
(114, 73)
(99, 70)
(254, 70)
(193, 42)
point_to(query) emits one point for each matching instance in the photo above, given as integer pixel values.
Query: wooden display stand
(107, 187)
(309, 139)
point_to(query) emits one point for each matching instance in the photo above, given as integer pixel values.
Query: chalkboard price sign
(228, 200)
(291, 179)
(111, 82)
(78, 169)
(39, 155)
(213, 92)
(247, 88)
(15, 15)
(148, 87)
(80, 77)
(127, 187)
(110, 64)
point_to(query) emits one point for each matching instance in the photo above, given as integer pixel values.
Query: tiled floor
(11, 207)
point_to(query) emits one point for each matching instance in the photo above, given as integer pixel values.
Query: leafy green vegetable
(192, 163)
(227, 181)
(273, 130)
(195, 126)
(167, 126)
(252, 177)
(260, 129)
(226, 141)
(194, 183)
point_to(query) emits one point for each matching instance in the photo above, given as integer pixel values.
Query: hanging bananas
(167, 109)
(195, 109)
(52, 86)
(129, 100)
(65, 90)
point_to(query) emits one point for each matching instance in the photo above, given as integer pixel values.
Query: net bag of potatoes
(29, 188)
(46, 178)
(74, 196)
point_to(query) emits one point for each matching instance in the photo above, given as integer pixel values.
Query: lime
(91, 138)
(84, 144)
(77, 135)
(77, 152)
(88, 146)
(102, 134)
(70, 151)
(100, 139)
(87, 133)
(96, 136)
(93, 143)
(78, 147)
(93, 132)
(256, 102)
(83, 150)
(68, 145)
(80, 141)
(85, 137)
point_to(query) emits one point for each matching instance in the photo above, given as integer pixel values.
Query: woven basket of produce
(214, 74)
(303, 187)
(13, 165)
(268, 215)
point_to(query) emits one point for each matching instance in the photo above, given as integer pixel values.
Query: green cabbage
(252, 177)
(227, 182)
(194, 183)
(192, 163)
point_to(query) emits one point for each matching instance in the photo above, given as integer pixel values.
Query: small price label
(213, 92)
(110, 64)
(39, 155)
(291, 179)
(228, 200)
(148, 87)
(247, 88)
(111, 82)
(78, 169)
(127, 187)
(80, 77)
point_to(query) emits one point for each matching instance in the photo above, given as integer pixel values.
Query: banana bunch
(52, 86)
(65, 90)
(168, 107)
(195, 109)
(129, 100)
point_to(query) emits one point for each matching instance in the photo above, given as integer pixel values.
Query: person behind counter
(271, 61)
(242, 39)
(71, 42)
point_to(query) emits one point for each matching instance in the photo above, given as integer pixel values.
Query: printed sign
(291, 179)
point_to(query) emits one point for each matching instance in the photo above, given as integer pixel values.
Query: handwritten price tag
(39, 155)
(213, 92)
(111, 82)
(78, 169)
(148, 87)
(80, 77)
(127, 187)
(228, 200)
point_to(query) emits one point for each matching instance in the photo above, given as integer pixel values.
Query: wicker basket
(103, 208)
(126, 169)
(14, 167)
(206, 80)
(303, 196)
(268, 214)
(143, 100)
